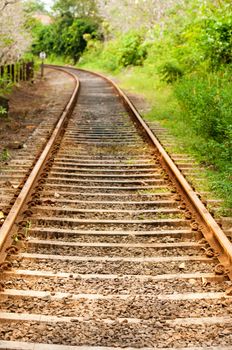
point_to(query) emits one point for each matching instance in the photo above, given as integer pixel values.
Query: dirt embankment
(29, 105)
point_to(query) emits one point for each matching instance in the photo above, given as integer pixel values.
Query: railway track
(107, 246)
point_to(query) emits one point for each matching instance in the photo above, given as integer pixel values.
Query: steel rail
(10, 221)
(209, 227)
(64, 252)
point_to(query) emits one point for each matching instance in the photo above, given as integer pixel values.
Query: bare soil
(28, 103)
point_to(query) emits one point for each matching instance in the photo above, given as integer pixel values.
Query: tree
(76, 9)
(65, 37)
(43, 38)
(74, 38)
(14, 39)
(126, 15)
(33, 6)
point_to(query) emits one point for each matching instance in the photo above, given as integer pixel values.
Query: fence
(20, 71)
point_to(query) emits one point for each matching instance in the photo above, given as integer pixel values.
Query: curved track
(113, 251)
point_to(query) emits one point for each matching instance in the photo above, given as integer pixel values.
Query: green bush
(207, 106)
(65, 37)
(132, 50)
(74, 38)
(217, 40)
(170, 72)
(185, 71)
(3, 111)
(126, 50)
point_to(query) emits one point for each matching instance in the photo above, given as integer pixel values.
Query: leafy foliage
(73, 38)
(14, 38)
(3, 111)
(171, 72)
(126, 50)
(132, 50)
(185, 71)
(218, 40)
(207, 105)
(130, 15)
(84, 9)
(33, 6)
(65, 37)
(5, 155)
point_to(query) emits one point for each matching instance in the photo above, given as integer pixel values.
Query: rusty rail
(210, 229)
(6, 231)
(222, 247)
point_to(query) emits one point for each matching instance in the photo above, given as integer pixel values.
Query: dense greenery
(179, 54)
(32, 6)
(66, 35)
(207, 102)
(77, 9)
(184, 67)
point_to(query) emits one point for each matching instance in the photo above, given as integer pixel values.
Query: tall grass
(186, 79)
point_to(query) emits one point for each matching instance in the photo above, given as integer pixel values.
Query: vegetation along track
(107, 246)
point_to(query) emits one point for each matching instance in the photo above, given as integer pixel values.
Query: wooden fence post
(24, 71)
(13, 73)
(8, 73)
(16, 72)
(32, 70)
(19, 71)
(2, 71)
(29, 71)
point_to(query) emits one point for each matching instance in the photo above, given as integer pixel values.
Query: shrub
(207, 108)
(132, 50)
(3, 111)
(170, 72)
(217, 40)
(127, 50)
(66, 37)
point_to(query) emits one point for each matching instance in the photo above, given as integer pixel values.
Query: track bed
(110, 257)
